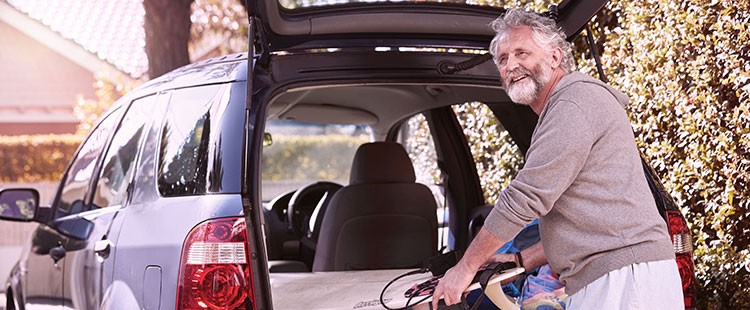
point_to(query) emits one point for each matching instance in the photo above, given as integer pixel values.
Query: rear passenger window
(497, 157)
(119, 162)
(191, 160)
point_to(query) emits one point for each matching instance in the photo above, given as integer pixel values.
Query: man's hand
(452, 286)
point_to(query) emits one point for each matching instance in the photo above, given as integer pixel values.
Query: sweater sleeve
(559, 148)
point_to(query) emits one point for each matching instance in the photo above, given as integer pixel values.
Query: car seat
(383, 219)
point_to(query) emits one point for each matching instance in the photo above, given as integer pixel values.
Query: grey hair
(544, 32)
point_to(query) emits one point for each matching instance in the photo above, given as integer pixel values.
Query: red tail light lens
(214, 272)
(682, 241)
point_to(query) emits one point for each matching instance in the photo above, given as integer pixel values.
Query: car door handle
(102, 248)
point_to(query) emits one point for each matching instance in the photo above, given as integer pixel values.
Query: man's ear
(556, 57)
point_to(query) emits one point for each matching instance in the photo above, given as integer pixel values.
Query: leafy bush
(109, 87)
(36, 158)
(686, 67)
(496, 155)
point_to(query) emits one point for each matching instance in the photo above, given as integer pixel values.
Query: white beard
(525, 91)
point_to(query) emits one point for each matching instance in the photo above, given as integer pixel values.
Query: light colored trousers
(652, 285)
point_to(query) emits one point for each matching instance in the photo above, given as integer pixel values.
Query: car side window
(75, 188)
(119, 162)
(497, 157)
(191, 156)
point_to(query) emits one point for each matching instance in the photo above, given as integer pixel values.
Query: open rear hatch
(284, 25)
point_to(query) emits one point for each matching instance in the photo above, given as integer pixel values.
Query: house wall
(38, 86)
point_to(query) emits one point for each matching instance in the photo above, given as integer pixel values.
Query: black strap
(519, 258)
(486, 275)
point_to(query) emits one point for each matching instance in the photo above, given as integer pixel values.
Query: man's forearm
(533, 256)
(481, 249)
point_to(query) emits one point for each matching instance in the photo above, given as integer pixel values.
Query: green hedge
(36, 158)
(686, 67)
(290, 157)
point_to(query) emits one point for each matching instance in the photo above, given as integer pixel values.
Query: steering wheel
(309, 202)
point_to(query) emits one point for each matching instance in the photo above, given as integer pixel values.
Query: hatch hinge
(260, 43)
(450, 67)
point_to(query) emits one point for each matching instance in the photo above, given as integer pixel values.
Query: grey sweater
(583, 178)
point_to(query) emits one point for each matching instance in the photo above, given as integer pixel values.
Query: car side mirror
(76, 227)
(19, 204)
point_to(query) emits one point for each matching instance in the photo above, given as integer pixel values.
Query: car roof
(283, 29)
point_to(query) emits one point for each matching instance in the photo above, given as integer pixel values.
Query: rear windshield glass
(304, 4)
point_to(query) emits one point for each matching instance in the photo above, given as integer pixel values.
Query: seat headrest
(381, 162)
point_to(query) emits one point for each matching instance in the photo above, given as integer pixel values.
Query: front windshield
(304, 153)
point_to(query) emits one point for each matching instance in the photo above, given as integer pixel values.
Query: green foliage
(421, 148)
(219, 27)
(686, 67)
(496, 156)
(108, 87)
(36, 158)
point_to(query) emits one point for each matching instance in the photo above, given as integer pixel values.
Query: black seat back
(382, 219)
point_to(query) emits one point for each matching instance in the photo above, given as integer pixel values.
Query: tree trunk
(167, 26)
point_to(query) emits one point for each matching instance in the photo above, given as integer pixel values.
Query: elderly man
(600, 227)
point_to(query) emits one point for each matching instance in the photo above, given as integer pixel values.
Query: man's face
(523, 65)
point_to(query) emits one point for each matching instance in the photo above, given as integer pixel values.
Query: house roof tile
(112, 29)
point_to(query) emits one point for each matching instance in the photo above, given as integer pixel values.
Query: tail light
(682, 241)
(214, 272)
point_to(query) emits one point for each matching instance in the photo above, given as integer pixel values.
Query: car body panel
(82, 267)
(164, 224)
